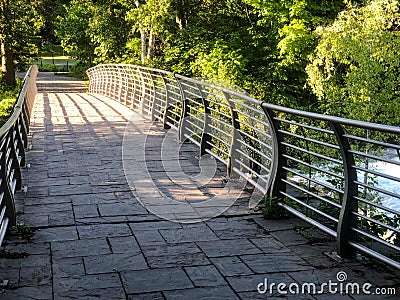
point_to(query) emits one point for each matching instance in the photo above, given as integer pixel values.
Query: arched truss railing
(337, 174)
(13, 142)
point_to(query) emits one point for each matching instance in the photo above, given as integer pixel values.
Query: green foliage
(73, 28)
(22, 231)
(6, 108)
(19, 24)
(8, 96)
(79, 70)
(271, 210)
(355, 68)
(221, 63)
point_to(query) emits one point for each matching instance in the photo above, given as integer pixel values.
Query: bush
(79, 70)
(6, 109)
(272, 210)
(8, 96)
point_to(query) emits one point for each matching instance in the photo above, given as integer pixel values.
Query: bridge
(116, 206)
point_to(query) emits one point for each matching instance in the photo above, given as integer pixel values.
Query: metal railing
(13, 142)
(337, 174)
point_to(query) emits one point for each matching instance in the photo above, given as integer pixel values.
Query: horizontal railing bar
(371, 141)
(192, 132)
(308, 219)
(377, 205)
(308, 139)
(252, 182)
(336, 161)
(338, 120)
(220, 121)
(313, 167)
(311, 194)
(330, 187)
(220, 140)
(375, 238)
(310, 207)
(375, 254)
(218, 148)
(193, 124)
(375, 222)
(194, 116)
(192, 140)
(198, 111)
(187, 92)
(172, 125)
(259, 176)
(305, 126)
(254, 128)
(256, 150)
(254, 139)
(216, 156)
(220, 130)
(219, 113)
(255, 119)
(253, 160)
(366, 185)
(378, 158)
(380, 174)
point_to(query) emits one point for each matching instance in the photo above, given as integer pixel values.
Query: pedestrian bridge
(148, 185)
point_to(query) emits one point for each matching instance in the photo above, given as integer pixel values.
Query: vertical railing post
(167, 113)
(136, 88)
(15, 159)
(153, 103)
(125, 85)
(184, 113)
(278, 160)
(205, 141)
(233, 154)
(8, 195)
(19, 136)
(120, 83)
(347, 219)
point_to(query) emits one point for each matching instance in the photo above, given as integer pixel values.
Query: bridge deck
(92, 239)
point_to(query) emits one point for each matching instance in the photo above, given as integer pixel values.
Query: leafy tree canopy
(355, 69)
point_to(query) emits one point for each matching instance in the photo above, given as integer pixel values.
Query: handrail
(321, 168)
(13, 142)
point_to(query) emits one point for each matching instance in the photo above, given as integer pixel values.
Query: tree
(94, 31)
(73, 30)
(51, 10)
(355, 70)
(148, 18)
(19, 22)
(285, 29)
(108, 30)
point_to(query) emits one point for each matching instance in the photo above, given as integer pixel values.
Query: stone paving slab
(89, 237)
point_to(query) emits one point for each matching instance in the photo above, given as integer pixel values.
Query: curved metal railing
(340, 175)
(13, 142)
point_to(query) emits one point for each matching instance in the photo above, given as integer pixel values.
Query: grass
(56, 60)
(59, 63)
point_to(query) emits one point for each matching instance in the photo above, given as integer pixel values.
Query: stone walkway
(90, 238)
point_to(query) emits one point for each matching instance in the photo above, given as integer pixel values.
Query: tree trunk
(7, 64)
(181, 13)
(150, 49)
(143, 37)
